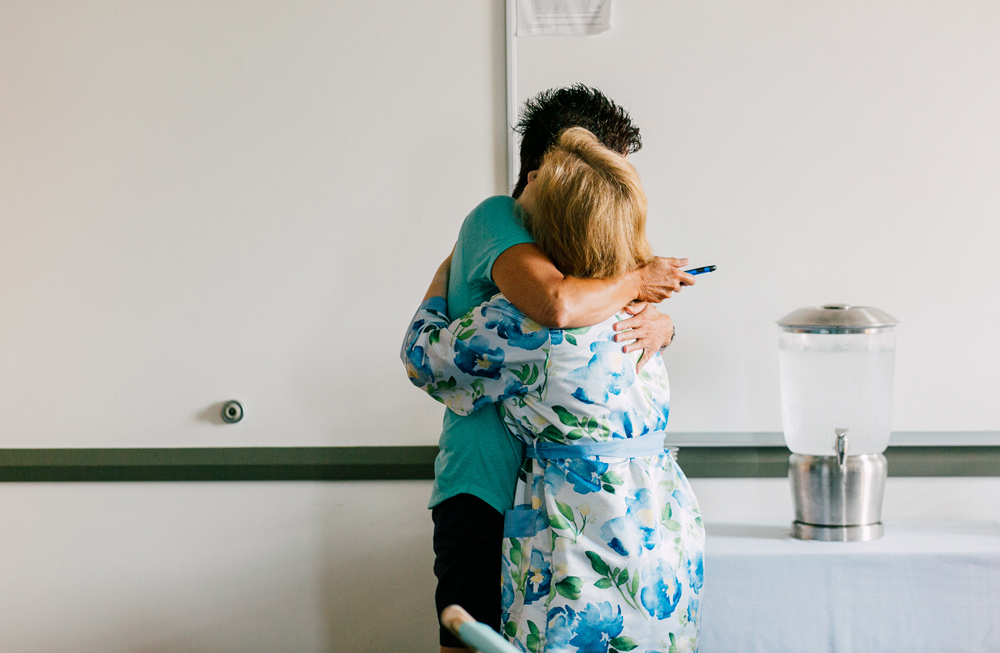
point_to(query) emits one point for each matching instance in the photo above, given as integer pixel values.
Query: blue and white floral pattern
(603, 553)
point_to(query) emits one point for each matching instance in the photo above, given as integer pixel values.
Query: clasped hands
(649, 329)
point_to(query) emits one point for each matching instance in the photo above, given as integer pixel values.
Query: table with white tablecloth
(924, 586)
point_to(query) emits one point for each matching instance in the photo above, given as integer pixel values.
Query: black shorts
(468, 539)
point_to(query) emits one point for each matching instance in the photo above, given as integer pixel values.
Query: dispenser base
(862, 533)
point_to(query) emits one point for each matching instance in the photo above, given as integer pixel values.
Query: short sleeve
(494, 227)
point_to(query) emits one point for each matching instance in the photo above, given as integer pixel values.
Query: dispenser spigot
(841, 447)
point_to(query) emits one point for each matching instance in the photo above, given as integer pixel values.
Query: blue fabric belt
(650, 444)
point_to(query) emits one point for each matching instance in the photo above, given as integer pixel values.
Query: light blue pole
(483, 638)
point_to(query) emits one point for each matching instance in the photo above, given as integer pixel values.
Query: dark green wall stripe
(219, 464)
(412, 463)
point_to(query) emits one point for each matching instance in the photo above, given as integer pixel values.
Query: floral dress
(603, 549)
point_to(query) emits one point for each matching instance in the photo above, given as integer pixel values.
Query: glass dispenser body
(836, 382)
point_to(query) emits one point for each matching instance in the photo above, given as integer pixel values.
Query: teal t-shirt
(478, 455)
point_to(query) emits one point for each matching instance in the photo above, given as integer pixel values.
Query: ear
(532, 176)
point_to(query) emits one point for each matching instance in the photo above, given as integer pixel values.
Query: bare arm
(439, 284)
(533, 284)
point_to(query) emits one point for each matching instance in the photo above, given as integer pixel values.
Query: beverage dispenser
(836, 371)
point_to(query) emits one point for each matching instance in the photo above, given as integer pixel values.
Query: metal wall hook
(232, 411)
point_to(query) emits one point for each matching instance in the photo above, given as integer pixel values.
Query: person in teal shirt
(478, 462)
(478, 455)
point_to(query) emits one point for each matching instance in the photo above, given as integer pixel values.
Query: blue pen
(707, 268)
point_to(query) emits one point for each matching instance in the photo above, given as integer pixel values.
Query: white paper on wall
(563, 17)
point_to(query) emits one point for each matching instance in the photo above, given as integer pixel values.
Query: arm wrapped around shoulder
(476, 360)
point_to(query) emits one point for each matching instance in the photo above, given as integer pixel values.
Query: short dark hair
(550, 112)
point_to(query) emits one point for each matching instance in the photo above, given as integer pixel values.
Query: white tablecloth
(925, 586)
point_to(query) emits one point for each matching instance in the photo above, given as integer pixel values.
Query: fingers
(647, 355)
(650, 332)
(633, 346)
(630, 323)
(637, 338)
(636, 307)
(682, 279)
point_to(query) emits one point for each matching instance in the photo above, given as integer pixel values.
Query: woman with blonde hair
(603, 550)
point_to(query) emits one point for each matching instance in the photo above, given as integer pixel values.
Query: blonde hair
(589, 209)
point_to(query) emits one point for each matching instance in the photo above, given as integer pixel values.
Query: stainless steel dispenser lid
(837, 318)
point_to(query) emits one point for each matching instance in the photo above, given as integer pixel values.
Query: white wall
(214, 567)
(204, 201)
(303, 567)
(829, 152)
